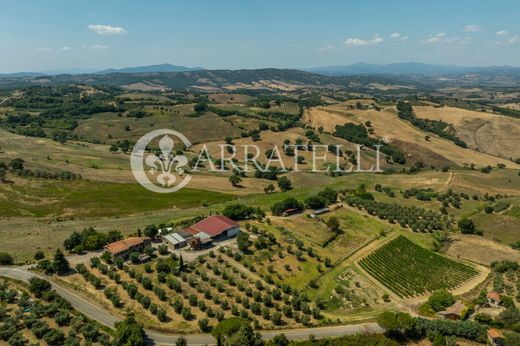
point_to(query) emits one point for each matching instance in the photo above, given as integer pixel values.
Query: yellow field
(491, 133)
(388, 126)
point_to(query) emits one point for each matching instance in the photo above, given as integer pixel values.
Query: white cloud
(472, 28)
(399, 36)
(357, 42)
(94, 47)
(327, 47)
(513, 40)
(502, 33)
(66, 48)
(43, 49)
(440, 37)
(376, 40)
(107, 29)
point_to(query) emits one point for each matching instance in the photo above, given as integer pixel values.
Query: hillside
(490, 133)
(412, 140)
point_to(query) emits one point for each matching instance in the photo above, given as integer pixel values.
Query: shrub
(204, 325)
(440, 300)
(6, 259)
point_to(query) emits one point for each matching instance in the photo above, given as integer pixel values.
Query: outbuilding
(216, 227)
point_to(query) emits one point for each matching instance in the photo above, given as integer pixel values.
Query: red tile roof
(125, 244)
(213, 225)
(495, 333)
(494, 295)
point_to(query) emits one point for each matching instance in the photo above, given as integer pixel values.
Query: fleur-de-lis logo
(164, 166)
(164, 162)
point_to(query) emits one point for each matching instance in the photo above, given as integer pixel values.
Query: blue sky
(53, 35)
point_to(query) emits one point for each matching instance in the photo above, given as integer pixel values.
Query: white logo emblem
(163, 165)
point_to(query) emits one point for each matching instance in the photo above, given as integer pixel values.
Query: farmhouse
(494, 299)
(123, 248)
(454, 312)
(495, 337)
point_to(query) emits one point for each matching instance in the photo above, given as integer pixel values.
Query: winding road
(104, 317)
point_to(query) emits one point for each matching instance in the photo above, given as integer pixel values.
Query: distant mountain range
(151, 69)
(357, 76)
(411, 68)
(136, 69)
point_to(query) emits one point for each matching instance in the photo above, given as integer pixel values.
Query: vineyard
(410, 270)
(286, 107)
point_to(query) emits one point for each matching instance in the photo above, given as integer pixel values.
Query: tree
(151, 231)
(129, 332)
(39, 255)
(242, 212)
(181, 263)
(181, 341)
(227, 328)
(243, 241)
(512, 338)
(62, 318)
(440, 300)
(333, 224)
(6, 259)
(134, 257)
(510, 316)
(54, 337)
(3, 172)
(106, 257)
(269, 188)
(245, 336)
(60, 265)
(235, 180)
(289, 203)
(284, 184)
(17, 164)
(280, 340)
(315, 202)
(395, 323)
(467, 226)
(38, 286)
(204, 325)
(329, 194)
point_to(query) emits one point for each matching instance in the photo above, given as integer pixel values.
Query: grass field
(514, 211)
(410, 270)
(196, 129)
(76, 199)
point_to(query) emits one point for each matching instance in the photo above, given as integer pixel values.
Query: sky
(233, 34)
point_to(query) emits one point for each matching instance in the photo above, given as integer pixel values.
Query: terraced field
(410, 270)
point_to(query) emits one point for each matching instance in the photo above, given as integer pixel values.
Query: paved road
(104, 317)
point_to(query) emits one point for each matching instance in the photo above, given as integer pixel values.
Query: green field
(514, 211)
(410, 270)
(94, 199)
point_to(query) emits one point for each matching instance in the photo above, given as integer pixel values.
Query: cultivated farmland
(410, 270)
